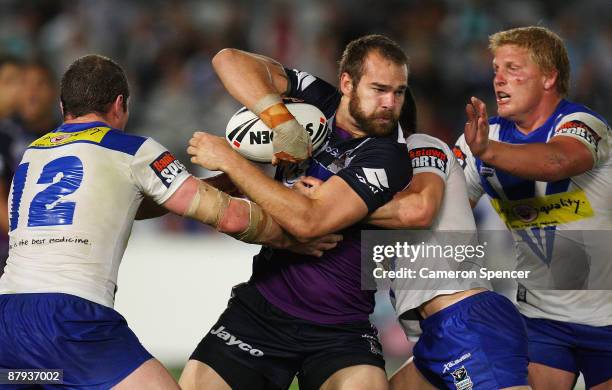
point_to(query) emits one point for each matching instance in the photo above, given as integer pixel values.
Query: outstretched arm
(258, 82)
(149, 209)
(557, 159)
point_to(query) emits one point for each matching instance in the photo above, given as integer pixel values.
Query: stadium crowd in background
(167, 49)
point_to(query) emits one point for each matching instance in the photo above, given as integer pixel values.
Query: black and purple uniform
(306, 315)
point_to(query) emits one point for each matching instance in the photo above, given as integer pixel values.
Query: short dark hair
(408, 116)
(91, 84)
(357, 50)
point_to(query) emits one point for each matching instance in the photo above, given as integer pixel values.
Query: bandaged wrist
(208, 205)
(260, 225)
(266, 102)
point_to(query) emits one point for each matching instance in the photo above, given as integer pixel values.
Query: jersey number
(64, 175)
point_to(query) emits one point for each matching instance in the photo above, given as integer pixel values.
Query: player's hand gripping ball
(250, 137)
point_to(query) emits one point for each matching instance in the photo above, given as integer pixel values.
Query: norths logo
(232, 340)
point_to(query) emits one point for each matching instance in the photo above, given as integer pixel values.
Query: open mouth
(502, 97)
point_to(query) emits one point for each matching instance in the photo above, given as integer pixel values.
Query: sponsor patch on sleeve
(167, 168)
(429, 158)
(459, 155)
(580, 130)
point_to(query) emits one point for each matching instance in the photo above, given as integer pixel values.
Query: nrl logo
(462, 379)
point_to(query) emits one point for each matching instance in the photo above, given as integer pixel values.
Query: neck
(535, 118)
(345, 121)
(91, 117)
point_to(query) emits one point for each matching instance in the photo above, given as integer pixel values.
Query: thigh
(542, 377)
(151, 375)
(198, 375)
(409, 377)
(334, 349)
(90, 342)
(479, 342)
(250, 346)
(552, 344)
(594, 354)
(359, 377)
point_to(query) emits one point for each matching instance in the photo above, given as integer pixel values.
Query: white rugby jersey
(429, 154)
(72, 204)
(562, 230)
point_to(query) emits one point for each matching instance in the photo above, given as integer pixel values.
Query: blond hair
(546, 49)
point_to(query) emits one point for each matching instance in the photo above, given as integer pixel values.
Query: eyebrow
(386, 86)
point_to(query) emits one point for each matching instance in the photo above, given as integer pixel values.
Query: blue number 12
(65, 175)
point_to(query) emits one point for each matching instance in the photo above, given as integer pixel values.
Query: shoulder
(570, 111)
(424, 140)
(122, 142)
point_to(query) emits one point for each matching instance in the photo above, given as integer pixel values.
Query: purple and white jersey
(328, 289)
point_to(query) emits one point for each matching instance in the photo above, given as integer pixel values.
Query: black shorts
(254, 345)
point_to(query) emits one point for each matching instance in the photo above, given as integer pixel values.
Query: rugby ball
(250, 137)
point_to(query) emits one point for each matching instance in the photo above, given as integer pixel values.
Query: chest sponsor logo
(429, 158)
(231, 340)
(51, 140)
(580, 130)
(459, 155)
(462, 379)
(537, 212)
(167, 168)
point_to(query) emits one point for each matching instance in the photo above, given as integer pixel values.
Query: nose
(388, 100)
(499, 79)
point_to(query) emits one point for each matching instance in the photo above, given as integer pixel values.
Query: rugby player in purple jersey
(300, 315)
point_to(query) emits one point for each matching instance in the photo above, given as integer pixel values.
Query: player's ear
(118, 106)
(550, 80)
(346, 84)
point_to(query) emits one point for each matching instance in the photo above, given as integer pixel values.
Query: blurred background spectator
(166, 49)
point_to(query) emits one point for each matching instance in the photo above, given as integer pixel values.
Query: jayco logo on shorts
(232, 340)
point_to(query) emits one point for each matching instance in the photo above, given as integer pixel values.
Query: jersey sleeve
(429, 155)
(312, 90)
(466, 160)
(588, 129)
(377, 171)
(157, 173)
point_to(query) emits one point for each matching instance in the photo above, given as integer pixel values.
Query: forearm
(537, 161)
(246, 221)
(222, 182)
(406, 210)
(291, 210)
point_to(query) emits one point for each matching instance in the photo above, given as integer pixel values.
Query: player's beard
(368, 123)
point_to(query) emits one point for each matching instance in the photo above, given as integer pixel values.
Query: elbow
(554, 171)
(224, 57)
(421, 218)
(304, 228)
